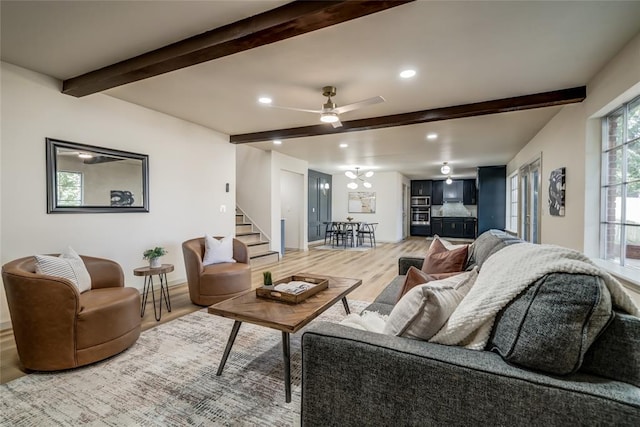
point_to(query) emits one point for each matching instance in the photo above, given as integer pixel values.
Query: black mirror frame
(52, 207)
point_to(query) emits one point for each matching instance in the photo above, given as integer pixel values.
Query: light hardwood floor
(376, 268)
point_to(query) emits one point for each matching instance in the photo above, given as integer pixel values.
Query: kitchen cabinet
(436, 192)
(452, 227)
(436, 226)
(421, 188)
(469, 196)
(469, 227)
(492, 199)
(420, 230)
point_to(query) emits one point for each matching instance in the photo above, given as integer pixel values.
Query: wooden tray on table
(296, 295)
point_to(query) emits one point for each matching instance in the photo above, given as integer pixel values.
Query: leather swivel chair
(215, 282)
(56, 327)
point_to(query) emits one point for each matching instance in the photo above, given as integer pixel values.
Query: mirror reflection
(84, 178)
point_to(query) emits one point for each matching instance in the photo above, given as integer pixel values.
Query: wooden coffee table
(288, 318)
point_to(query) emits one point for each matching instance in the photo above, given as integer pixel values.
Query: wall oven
(420, 201)
(420, 215)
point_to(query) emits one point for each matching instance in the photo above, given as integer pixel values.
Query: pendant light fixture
(358, 176)
(445, 169)
(449, 180)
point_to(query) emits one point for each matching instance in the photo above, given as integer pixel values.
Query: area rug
(168, 378)
(342, 248)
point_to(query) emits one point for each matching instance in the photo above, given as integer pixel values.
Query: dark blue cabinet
(492, 197)
(319, 204)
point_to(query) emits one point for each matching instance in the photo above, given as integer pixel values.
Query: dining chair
(367, 229)
(350, 231)
(328, 231)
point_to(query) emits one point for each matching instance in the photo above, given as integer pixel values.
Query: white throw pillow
(68, 265)
(423, 310)
(217, 251)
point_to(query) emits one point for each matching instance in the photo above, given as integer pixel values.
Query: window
(69, 188)
(620, 191)
(512, 205)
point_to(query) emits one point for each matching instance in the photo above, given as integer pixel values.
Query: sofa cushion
(426, 308)
(488, 243)
(616, 352)
(551, 325)
(441, 260)
(389, 294)
(417, 277)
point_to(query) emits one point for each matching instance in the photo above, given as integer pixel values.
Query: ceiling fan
(329, 112)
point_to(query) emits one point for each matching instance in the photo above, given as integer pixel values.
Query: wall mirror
(87, 179)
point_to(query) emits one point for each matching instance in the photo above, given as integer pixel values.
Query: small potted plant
(153, 255)
(267, 278)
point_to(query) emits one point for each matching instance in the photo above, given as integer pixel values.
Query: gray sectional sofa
(352, 377)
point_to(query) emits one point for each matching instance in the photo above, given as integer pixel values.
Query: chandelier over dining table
(358, 176)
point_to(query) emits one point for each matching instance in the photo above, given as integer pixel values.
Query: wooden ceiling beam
(289, 20)
(518, 103)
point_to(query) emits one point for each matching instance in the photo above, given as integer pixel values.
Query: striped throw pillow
(68, 266)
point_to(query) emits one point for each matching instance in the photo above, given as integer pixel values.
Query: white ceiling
(463, 52)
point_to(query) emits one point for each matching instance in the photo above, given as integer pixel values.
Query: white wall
(253, 178)
(260, 189)
(572, 139)
(188, 164)
(291, 191)
(388, 215)
(558, 143)
(280, 163)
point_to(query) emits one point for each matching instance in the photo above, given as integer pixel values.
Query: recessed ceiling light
(277, 141)
(343, 145)
(407, 74)
(264, 100)
(432, 136)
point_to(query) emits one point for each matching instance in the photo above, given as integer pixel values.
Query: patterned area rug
(168, 378)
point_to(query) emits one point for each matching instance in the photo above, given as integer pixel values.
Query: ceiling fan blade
(359, 104)
(296, 109)
(337, 124)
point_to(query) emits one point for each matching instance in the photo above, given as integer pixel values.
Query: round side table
(148, 274)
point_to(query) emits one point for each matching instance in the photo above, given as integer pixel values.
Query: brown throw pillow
(413, 278)
(441, 260)
(417, 277)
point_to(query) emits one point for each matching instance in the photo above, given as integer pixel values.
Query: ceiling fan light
(369, 174)
(366, 184)
(328, 117)
(445, 169)
(449, 180)
(350, 175)
(352, 185)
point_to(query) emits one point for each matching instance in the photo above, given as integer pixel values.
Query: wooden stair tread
(260, 255)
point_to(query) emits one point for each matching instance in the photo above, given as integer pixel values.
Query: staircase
(259, 252)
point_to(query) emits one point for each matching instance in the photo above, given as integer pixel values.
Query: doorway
(530, 190)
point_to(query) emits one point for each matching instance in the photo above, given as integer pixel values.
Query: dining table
(352, 226)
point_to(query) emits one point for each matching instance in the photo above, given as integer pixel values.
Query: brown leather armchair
(216, 282)
(56, 327)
